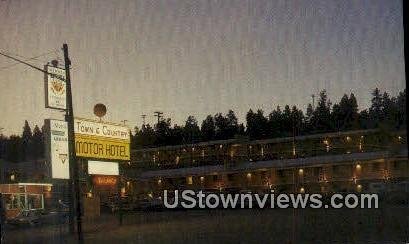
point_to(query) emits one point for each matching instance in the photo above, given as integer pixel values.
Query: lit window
(189, 180)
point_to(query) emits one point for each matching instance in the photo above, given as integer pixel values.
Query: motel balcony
(231, 153)
(322, 162)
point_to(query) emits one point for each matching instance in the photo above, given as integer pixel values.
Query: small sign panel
(101, 129)
(102, 168)
(57, 148)
(55, 88)
(104, 180)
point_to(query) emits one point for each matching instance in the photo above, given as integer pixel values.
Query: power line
(143, 118)
(28, 59)
(32, 66)
(40, 55)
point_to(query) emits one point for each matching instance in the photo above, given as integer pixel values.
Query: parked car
(26, 218)
(121, 204)
(38, 217)
(150, 204)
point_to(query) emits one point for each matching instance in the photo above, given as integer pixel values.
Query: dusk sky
(198, 57)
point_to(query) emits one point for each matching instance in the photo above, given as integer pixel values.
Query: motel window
(399, 164)
(230, 177)
(189, 180)
(376, 166)
(318, 171)
(34, 201)
(14, 201)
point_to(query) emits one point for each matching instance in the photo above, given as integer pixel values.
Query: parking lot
(388, 224)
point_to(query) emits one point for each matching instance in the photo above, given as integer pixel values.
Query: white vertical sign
(55, 88)
(58, 148)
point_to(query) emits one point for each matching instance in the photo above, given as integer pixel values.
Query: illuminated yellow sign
(101, 148)
(101, 140)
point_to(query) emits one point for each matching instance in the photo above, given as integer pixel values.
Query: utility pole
(143, 118)
(74, 179)
(159, 115)
(69, 117)
(313, 101)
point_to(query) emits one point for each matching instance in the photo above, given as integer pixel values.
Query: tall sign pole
(75, 202)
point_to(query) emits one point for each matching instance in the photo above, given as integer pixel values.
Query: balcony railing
(236, 152)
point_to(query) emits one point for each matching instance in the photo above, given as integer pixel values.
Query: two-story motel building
(330, 162)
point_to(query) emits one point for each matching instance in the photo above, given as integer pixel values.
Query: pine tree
(26, 141)
(375, 111)
(191, 130)
(208, 128)
(37, 143)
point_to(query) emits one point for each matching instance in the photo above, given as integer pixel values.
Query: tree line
(27, 146)
(385, 112)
